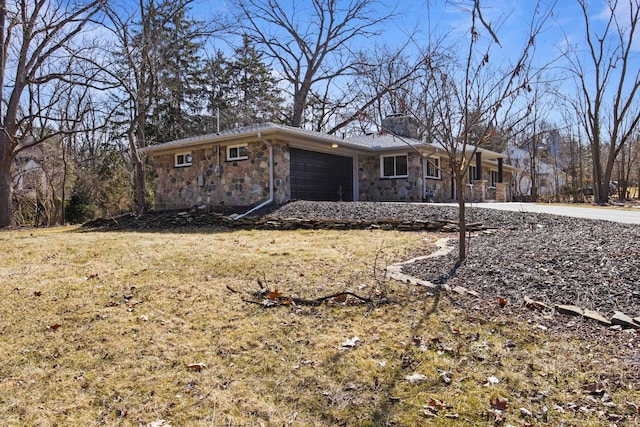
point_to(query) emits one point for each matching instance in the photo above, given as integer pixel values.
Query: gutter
(270, 199)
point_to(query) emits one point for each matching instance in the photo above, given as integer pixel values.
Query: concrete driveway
(628, 216)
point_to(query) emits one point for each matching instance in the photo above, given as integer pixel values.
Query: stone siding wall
(242, 182)
(406, 126)
(245, 183)
(373, 188)
(502, 192)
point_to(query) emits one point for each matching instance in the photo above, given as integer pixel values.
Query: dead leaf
(437, 404)
(491, 381)
(196, 366)
(445, 376)
(350, 343)
(416, 378)
(500, 403)
(340, 298)
(275, 294)
(524, 412)
(595, 389)
(535, 305)
(429, 413)
(496, 414)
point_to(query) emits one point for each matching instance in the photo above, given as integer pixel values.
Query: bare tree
(37, 49)
(380, 77)
(462, 102)
(608, 83)
(143, 45)
(310, 41)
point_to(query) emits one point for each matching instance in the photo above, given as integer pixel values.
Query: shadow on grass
(431, 303)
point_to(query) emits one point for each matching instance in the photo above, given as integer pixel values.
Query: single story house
(272, 163)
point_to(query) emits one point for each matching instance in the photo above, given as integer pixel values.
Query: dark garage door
(320, 176)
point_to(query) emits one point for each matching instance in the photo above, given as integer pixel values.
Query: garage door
(320, 176)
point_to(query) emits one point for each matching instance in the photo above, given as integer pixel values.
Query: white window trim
(382, 157)
(231, 159)
(436, 166)
(187, 159)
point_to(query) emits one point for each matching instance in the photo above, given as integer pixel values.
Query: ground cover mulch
(548, 258)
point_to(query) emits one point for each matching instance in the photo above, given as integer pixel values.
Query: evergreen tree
(216, 87)
(255, 93)
(176, 113)
(243, 89)
(151, 49)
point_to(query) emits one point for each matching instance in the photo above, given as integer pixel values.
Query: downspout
(270, 200)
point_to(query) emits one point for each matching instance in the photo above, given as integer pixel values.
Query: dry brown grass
(99, 328)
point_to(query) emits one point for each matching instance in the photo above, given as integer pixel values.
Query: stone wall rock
(241, 183)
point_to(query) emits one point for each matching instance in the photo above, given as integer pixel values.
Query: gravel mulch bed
(549, 258)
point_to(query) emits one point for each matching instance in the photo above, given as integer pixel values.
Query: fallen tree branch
(273, 298)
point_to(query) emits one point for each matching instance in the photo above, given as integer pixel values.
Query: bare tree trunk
(609, 91)
(299, 101)
(63, 212)
(622, 175)
(599, 196)
(6, 199)
(138, 166)
(6, 156)
(462, 226)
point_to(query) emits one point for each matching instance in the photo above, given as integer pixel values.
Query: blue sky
(511, 18)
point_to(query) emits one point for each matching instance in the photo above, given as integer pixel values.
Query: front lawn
(132, 328)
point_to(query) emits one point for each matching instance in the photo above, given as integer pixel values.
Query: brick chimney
(401, 125)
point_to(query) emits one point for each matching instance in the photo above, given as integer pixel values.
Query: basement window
(183, 159)
(237, 152)
(394, 166)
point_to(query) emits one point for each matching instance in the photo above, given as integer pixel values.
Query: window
(494, 178)
(433, 167)
(471, 174)
(394, 166)
(183, 159)
(237, 152)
